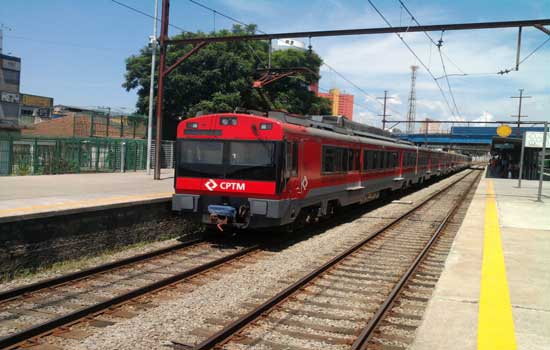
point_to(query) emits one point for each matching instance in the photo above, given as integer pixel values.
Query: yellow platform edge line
(85, 203)
(495, 323)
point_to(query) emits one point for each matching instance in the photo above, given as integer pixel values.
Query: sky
(75, 51)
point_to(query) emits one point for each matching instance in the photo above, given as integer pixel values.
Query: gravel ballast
(177, 318)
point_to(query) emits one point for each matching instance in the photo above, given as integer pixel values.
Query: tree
(219, 78)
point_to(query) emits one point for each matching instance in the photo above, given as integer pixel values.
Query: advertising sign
(36, 101)
(533, 139)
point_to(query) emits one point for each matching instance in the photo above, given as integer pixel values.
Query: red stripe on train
(225, 186)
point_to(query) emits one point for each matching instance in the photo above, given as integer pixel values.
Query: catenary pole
(153, 41)
(543, 156)
(160, 93)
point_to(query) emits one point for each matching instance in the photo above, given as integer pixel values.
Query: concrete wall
(29, 244)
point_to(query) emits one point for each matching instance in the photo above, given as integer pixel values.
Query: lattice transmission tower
(411, 115)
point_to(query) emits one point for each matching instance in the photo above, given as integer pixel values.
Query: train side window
(349, 160)
(378, 160)
(370, 160)
(294, 170)
(356, 159)
(334, 159)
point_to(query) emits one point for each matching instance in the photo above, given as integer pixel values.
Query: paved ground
(31, 195)
(452, 318)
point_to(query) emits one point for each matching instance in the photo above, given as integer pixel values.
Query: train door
(416, 162)
(292, 168)
(300, 161)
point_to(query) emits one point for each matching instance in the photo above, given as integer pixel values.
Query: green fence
(40, 156)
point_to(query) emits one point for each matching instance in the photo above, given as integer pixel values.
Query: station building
(504, 152)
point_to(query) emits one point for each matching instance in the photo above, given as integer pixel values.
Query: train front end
(227, 168)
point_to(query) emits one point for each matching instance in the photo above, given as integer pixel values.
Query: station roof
(463, 135)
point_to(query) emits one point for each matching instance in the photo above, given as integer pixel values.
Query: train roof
(335, 127)
(341, 128)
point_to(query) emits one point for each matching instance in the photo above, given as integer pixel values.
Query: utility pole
(411, 115)
(153, 41)
(519, 116)
(160, 86)
(384, 115)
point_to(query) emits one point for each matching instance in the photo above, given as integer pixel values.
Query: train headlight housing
(228, 121)
(266, 126)
(193, 125)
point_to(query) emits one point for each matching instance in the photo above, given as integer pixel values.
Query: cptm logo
(211, 185)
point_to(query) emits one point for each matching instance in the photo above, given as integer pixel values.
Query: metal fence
(89, 124)
(167, 154)
(40, 156)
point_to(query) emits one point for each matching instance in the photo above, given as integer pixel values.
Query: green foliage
(219, 78)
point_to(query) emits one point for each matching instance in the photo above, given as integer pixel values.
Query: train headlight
(266, 126)
(227, 121)
(193, 125)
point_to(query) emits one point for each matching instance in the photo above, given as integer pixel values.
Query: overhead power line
(326, 64)
(417, 57)
(429, 36)
(216, 12)
(535, 50)
(223, 14)
(369, 96)
(439, 44)
(146, 14)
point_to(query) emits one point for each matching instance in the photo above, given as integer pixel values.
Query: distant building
(34, 109)
(341, 104)
(430, 127)
(10, 74)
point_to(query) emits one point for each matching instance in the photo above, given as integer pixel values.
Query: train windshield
(239, 160)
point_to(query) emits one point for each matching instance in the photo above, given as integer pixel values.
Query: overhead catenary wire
(501, 72)
(216, 12)
(447, 80)
(439, 44)
(146, 14)
(369, 96)
(535, 50)
(417, 57)
(403, 6)
(373, 117)
(261, 31)
(223, 14)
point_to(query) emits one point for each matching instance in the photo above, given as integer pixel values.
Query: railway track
(53, 306)
(364, 297)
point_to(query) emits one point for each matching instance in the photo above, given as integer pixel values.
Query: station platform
(27, 197)
(494, 292)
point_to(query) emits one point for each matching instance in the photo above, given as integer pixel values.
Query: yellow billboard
(36, 101)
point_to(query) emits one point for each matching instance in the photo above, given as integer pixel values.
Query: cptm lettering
(233, 186)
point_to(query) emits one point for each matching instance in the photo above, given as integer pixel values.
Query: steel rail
(237, 325)
(364, 337)
(71, 277)
(68, 319)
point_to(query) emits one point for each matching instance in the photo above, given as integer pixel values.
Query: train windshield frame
(228, 159)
